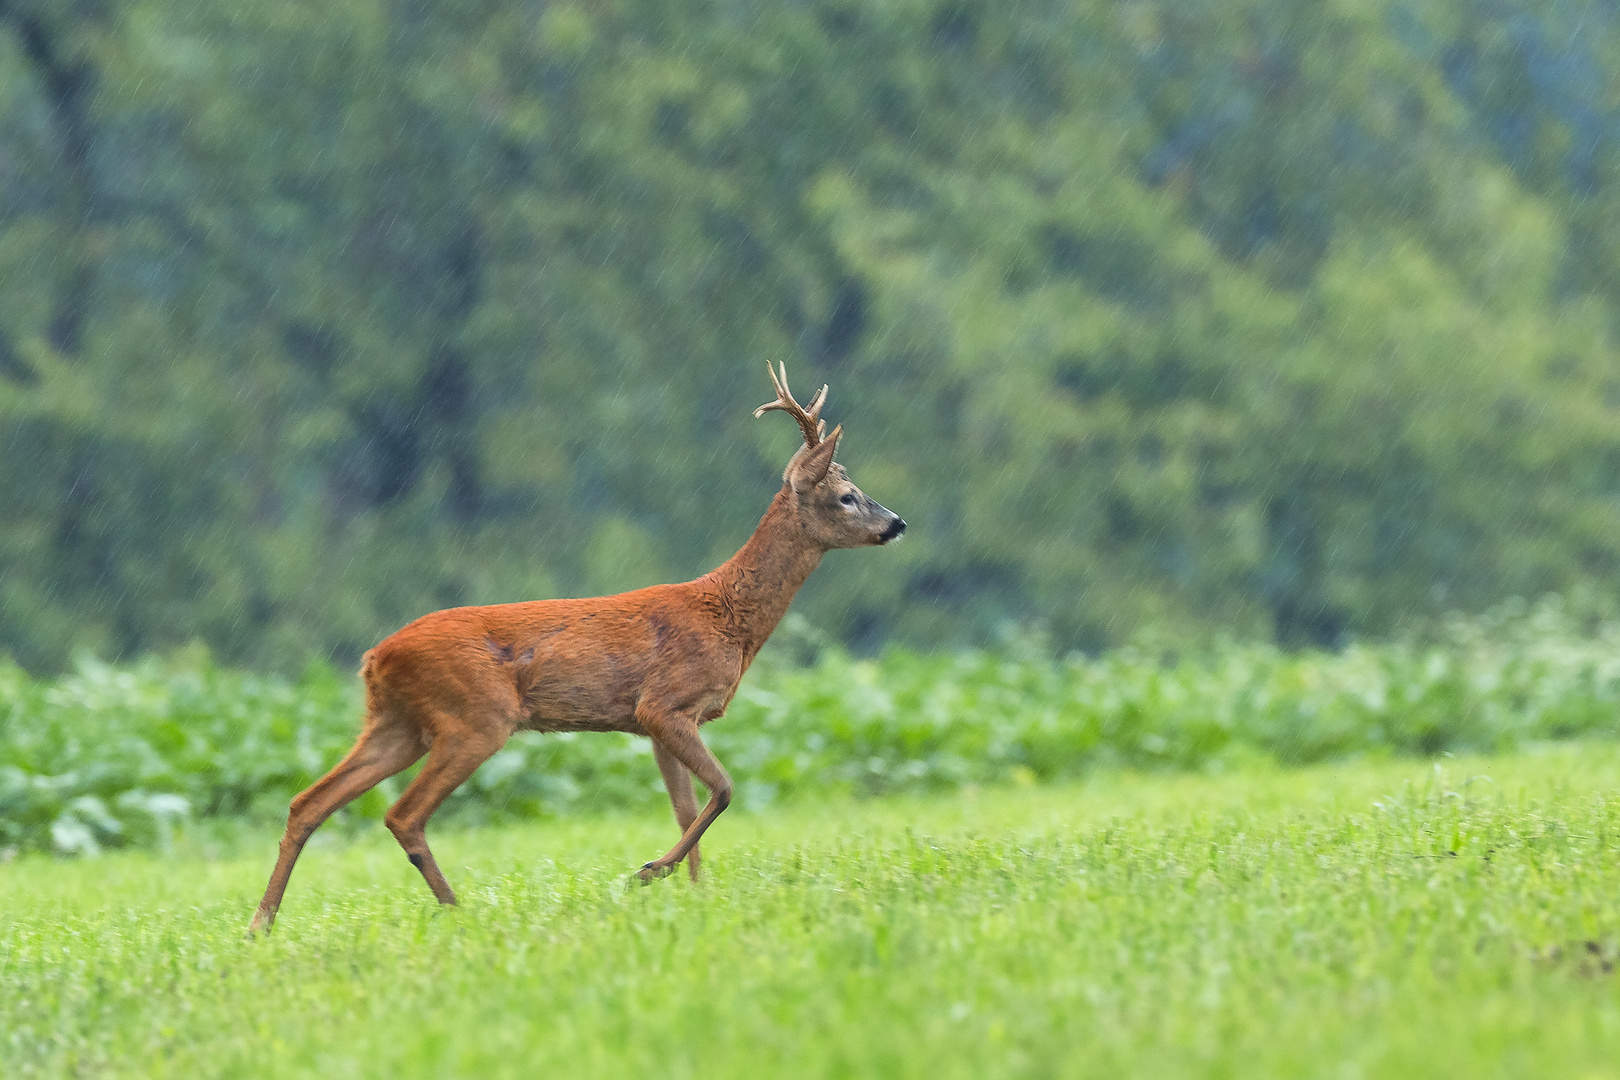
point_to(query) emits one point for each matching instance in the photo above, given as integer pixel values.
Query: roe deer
(657, 662)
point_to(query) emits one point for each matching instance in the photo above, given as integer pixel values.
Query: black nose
(896, 527)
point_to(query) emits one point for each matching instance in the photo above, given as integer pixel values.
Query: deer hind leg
(680, 739)
(385, 747)
(454, 756)
(678, 779)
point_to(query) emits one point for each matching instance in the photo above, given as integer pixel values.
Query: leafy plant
(113, 755)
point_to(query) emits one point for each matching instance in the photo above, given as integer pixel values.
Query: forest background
(1280, 319)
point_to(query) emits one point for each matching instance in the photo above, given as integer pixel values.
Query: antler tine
(813, 410)
(809, 420)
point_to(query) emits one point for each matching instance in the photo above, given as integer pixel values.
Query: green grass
(1383, 919)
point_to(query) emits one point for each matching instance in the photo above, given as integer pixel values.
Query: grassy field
(1393, 919)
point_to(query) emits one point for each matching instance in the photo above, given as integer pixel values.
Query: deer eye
(847, 499)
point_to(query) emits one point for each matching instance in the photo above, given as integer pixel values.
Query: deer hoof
(651, 872)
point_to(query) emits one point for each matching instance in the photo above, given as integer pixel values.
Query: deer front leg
(678, 780)
(678, 737)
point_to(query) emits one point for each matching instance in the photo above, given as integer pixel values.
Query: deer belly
(566, 708)
(626, 724)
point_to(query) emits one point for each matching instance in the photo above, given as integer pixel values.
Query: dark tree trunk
(448, 398)
(67, 85)
(12, 365)
(1296, 579)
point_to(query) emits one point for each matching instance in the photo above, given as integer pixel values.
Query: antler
(809, 419)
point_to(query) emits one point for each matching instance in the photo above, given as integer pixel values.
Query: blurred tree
(1256, 316)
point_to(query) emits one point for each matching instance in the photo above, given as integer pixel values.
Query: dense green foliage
(1283, 317)
(1372, 921)
(117, 755)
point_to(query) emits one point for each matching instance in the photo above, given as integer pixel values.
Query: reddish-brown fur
(657, 662)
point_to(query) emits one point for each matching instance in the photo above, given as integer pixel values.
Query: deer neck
(757, 584)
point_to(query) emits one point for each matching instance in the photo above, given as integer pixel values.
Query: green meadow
(1376, 918)
(1244, 701)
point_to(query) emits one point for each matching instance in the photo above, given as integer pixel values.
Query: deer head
(831, 510)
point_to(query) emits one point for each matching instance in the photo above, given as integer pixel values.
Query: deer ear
(809, 466)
